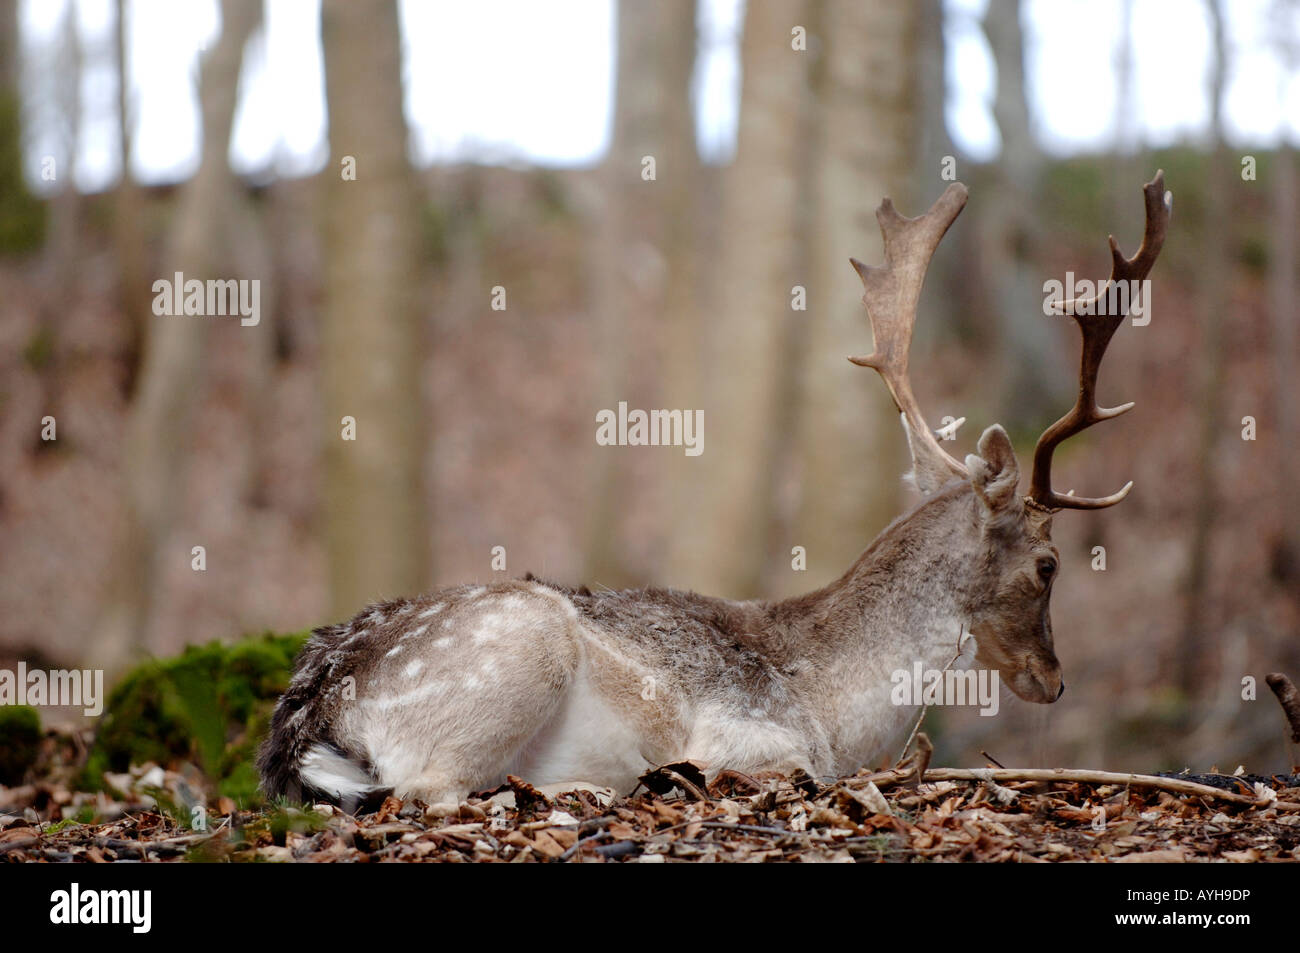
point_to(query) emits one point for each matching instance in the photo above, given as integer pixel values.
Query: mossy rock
(210, 705)
(20, 742)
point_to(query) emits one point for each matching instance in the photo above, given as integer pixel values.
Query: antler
(1097, 329)
(891, 294)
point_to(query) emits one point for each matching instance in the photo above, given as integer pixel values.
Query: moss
(276, 824)
(209, 706)
(20, 741)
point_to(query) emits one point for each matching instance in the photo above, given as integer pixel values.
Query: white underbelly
(725, 739)
(587, 740)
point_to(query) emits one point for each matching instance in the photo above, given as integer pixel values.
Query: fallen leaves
(678, 818)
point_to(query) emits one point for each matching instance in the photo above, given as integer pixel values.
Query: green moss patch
(209, 706)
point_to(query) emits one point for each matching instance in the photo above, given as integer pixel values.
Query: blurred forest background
(476, 426)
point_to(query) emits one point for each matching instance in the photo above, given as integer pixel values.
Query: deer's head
(1015, 563)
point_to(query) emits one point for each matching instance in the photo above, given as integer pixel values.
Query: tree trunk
(158, 431)
(1284, 316)
(847, 485)
(801, 448)
(640, 220)
(128, 217)
(1193, 653)
(372, 343)
(717, 539)
(1028, 346)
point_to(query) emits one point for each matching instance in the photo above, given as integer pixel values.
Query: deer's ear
(994, 474)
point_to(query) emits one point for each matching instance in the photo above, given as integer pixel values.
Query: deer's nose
(1062, 691)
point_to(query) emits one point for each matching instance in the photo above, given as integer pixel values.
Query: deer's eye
(1046, 568)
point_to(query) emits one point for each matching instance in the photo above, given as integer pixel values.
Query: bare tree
(642, 244)
(128, 216)
(827, 113)
(158, 430)
(866, 111)
(1026, 342)
(1193, 653)
(1284, 314)
(375, 508)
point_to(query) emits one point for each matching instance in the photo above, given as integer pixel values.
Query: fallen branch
(1173, 785)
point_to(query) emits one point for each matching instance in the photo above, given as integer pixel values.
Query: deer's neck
(903, 605)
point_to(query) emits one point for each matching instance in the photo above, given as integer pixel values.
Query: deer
(437, 697)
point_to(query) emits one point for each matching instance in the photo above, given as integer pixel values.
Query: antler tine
(1097, 329)
(891, 294)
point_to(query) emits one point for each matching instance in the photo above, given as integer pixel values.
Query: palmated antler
(891, 294)
(1097, 323)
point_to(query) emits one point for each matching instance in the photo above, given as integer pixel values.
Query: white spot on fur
(413, 669)
(406, 698)
(416, 632)
(393, 651)
(443, 642)
(433, 610)
(489, 628)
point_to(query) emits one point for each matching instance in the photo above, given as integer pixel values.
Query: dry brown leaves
(674, 818)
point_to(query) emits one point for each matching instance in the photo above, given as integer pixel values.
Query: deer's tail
(301, 760)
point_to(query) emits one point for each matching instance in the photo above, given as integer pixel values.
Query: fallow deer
(445, 694)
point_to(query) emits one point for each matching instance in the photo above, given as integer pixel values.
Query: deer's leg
(475, 755)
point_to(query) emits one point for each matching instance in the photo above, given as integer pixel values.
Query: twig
(747, 828)
(582, 842)
(1175, 785)
(993, 759)
(924, 749)
(724, 825)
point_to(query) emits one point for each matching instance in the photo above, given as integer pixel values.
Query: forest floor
(674, 817)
